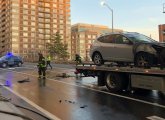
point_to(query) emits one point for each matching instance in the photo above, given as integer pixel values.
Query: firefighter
(48, 59)
(78, 59)
(42, 68)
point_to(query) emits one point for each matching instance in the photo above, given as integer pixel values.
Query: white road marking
(155, 118)
(51, 116)
(133, 99)
(11, 68)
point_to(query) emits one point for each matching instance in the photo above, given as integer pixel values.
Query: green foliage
(57, 48)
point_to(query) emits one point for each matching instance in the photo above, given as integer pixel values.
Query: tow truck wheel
(97, 59)
(116, 81)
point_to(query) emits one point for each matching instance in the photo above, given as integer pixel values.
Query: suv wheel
(143, 60)
(97, 59)
(4, 65)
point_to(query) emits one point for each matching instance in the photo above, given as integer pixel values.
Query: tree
(57, 48)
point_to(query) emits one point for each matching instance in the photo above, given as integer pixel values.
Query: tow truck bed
(119, 78)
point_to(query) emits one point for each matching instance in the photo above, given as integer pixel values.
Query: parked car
(10, 60)
(127, 47)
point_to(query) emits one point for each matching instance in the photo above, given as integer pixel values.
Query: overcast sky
(141, 16)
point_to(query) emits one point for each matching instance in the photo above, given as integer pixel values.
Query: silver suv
(127, 47)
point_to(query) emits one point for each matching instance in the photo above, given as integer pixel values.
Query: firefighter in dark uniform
(78, 59)
(42, 68)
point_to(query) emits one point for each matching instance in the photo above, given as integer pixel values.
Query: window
(15, 39)
(82, 41)
(47, 20)
(121, 39)
(61, 21)
(47, 10)
(25, 40)
(61, 26)
(41, 14)
(33, 1)
(15, 5)
(47, 25)
(33, 35)
(41, 30)
(33, 13)
(15, 33)
(41, 20)
(41, 46)
(107, 39)
(93, 36)
(47, 36)
(41, 36)
(33, 18)
(47, 15)
(15, 45)
(61, 6)
(25, 45)
(89, 36)
(47, 31)
(25, 1)
(25, 23)
(82, 36)
(47, 5)
(25, 6)
(61, 31)
(54, 26)
(55, 5)
(25, 28)
(33, 29)
(15, 28)
(33, 7)
(61, 11)
(25, 17)
(25, 11)
(25, 34)
(60, 0)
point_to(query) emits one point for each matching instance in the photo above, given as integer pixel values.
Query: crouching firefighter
(42, 68)
(78, 59)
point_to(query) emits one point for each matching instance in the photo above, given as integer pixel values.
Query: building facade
(82, 35)
(162, 33)
(27, 25)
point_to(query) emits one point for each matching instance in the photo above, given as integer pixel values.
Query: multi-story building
(162, 33)
(82, 35)
(27, 25)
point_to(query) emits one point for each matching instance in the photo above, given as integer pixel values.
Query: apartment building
(82, 35)
(161, 33)
(27, 25)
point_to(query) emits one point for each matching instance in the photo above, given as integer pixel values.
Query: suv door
(123, 49)
(107, 47)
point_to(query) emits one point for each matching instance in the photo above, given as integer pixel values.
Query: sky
(141, 16)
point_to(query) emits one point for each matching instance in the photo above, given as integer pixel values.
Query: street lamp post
(104, 4)
(163, 7)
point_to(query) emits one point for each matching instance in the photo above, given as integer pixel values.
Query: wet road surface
(74, 98)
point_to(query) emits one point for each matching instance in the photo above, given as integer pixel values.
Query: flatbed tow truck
(118, 78)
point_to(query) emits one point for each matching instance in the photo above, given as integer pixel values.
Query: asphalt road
(73, 98)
